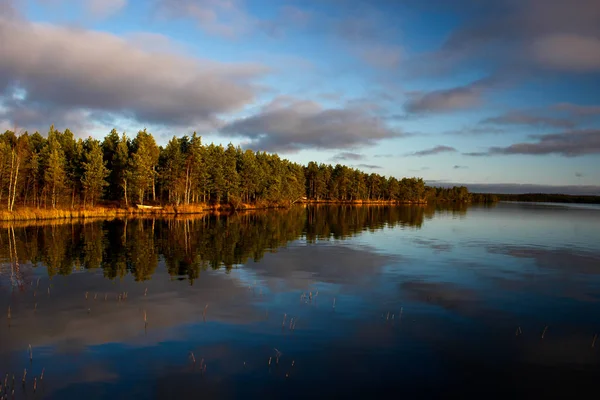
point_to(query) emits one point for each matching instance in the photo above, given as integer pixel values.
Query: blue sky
(504, 92)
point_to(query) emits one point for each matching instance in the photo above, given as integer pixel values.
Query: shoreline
(103, 212)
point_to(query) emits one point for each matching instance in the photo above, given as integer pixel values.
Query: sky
(499, 95)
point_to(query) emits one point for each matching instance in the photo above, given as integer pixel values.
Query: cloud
(569, 144)
(105, 8)
(383, 155)
(476, 130)
(445, 100)
(579, 175)
(345, 156)
(381, 56)
(531, 37)
(9, 9)
(433, 150)
(577, 110)
(60, 71)
(293, 125)
(460, 167)
(520, 188)
(524, 118)
(230, 18)
(215, 17)
(368, 166)
(568, 52)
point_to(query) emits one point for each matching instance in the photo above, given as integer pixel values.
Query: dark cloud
(569, 144)
(577, 110)
(524, 118)
(368, 166)
(445, 100)
(520, 188)
(579, 175)
(433, 150)
(295, 125)
(383, 155)
(57, 72)
(460, 167)
(536, 35)
(347, 156)
(476, 130)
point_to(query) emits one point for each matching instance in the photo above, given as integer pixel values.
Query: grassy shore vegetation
(59, 176)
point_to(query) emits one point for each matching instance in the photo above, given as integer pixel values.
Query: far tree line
(61, 171)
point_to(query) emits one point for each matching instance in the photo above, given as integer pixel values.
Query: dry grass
(102, 212)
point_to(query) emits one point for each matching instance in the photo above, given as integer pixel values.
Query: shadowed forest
(121, 246)
(62, 172)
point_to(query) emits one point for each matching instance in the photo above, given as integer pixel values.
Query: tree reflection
(190, 245)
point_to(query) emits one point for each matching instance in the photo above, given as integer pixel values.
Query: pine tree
(95, 172)
(54, 177)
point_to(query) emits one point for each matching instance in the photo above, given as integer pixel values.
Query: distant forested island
(547, 198)
(60, 172)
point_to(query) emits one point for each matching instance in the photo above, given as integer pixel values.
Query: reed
(594, 340)
(24, 376)
(42, 375)
(544, 332)
(193, 358)
(9, 314)
(30, 354)
(204, 312)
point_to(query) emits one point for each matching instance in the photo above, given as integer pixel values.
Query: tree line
(59, 171)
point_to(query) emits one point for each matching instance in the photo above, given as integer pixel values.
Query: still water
(327, 302)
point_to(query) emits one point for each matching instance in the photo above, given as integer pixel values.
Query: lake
(331, 301)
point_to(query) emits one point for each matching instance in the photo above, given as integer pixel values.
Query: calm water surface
(321, 302)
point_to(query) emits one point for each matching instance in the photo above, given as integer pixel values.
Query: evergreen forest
(60, 171)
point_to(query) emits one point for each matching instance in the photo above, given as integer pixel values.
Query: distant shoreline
(547, 198)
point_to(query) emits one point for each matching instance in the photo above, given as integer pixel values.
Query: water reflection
(188, 245)
(413, 301)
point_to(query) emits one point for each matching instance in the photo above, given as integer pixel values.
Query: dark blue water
(327, 303)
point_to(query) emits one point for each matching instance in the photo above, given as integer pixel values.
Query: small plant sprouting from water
(594, 340)
(204, 312)
(30, 354)
(544, 332)
(193, 358)
(278, 354)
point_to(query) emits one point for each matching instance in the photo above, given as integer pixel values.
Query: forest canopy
(61, 171)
